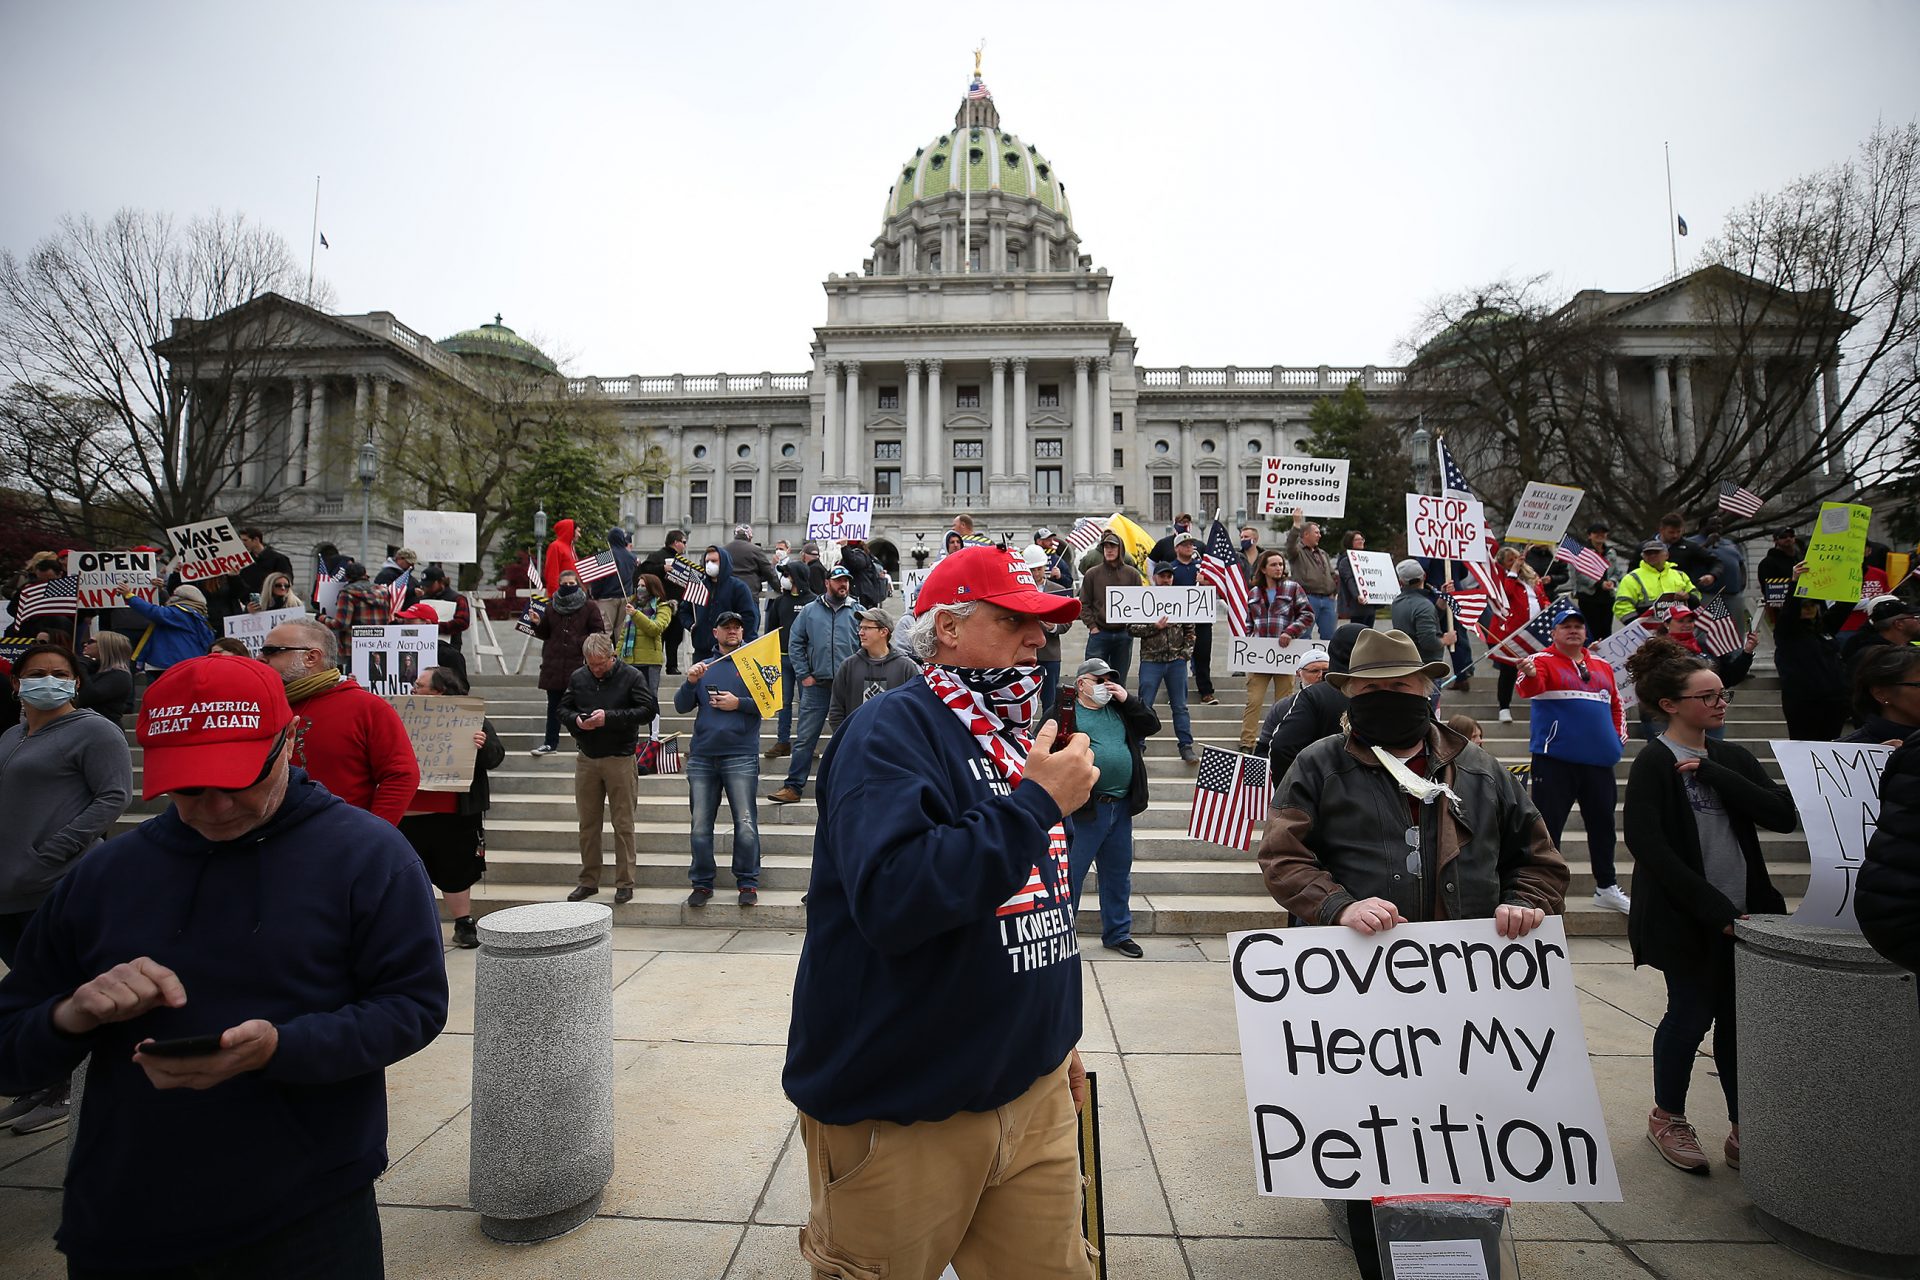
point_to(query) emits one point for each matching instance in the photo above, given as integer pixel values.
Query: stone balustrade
(1233, 378)
(670, 386)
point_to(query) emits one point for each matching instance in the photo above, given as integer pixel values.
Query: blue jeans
(1105, 839)
(1326, 615)
(1174, 676)
(1115, 647)
(783, 722)
(814, 700)
(740, 775)
(1049, 683)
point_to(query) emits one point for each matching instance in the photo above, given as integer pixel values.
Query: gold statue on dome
(978, 49)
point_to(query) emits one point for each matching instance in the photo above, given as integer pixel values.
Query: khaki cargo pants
(997, 1193)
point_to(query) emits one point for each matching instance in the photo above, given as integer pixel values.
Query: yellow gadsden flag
(759, 665)
(1139, 543)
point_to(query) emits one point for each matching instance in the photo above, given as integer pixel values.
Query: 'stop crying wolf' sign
(207, 549)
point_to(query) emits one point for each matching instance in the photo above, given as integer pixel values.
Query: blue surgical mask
(46, 693)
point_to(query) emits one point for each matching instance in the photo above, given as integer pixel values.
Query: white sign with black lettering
(442, 537)
(1446, 528)
(1257, 653)
(1836, 787)
(1431, 1059)
(1150, 604)
(1373, 570)
(102, 573)
(207, 549)
(388, 660)
(839, 517)
(1317, 486)
(251, 629)
(1543, 512)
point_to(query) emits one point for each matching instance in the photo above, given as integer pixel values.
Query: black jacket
(1315, 711)
(782, 609)
(477, 798)
(622, 581)
(1140, 722)
(1807, 656)
(108, 692)
(1887, 894)
(254, 577)
(1676, 914)
(623, 695)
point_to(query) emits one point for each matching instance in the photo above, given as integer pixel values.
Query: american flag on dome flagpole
(1085, 533)
(1537, 635)
(1739, 499)
(1583, 558)
(1714, 626)
(594, 568)
(1219, 568)
(1231, 794)
(56, 598)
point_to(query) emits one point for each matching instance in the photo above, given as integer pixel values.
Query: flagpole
(313, 238)
(1673, 243)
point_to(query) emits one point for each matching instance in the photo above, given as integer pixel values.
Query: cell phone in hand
(1065, 708)
(182, 1047)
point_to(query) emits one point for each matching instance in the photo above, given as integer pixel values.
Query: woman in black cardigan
(1691, 807)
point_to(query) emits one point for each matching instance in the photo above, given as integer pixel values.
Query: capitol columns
(830, 461)
(1082, 432)
(933, 428)
(676, 486)
(1683, 405)
(317, 434)
(997, 463)
(1102, 431)
(295, 474)
(1186, 487)
(913, 461)
(1663, 416)
(764, 452)
(1018, 464)
(856, 425)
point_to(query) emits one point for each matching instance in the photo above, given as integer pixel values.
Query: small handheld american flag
(1085, 533)
(670, 754)
(594, 568)
(1537, 635)
(1219, 568)
(1230, 794)
(397, 591)
(1739, 499)
(57, 597)
(1581, 557)
(1468, 607)
(1715, 628)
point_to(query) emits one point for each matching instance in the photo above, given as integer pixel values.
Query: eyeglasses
(275, 650)
(871, 626)
(1718, 698)
(273, 753)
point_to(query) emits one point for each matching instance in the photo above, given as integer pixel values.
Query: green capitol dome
(976, 156)
(497, 342)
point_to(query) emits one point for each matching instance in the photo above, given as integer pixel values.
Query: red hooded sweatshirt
(560, 557)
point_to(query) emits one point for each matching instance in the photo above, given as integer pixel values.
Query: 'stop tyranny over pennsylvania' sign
(1430, 1059)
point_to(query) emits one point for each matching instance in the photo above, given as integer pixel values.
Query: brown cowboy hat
(1381, 655)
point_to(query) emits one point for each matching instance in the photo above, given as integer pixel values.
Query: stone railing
(1233, 378)
(675, 385)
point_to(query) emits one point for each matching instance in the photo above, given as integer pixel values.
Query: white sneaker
(1506, 716)
(1613, 898)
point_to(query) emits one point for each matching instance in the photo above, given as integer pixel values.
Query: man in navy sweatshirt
(723, 755)
(294, 935)
(937, 1002)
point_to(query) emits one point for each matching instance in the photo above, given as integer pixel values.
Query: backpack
(870, 586)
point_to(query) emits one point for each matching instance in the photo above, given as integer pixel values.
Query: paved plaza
(709, 1180)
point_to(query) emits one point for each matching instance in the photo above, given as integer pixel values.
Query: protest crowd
(977, 736)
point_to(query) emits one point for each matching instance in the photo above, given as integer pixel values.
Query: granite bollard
(1830, 1138)
(542, 1126)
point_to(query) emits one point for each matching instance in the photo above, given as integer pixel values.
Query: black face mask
(569, 589)
(1387, 719)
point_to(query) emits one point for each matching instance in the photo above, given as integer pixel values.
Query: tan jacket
(1337, 833)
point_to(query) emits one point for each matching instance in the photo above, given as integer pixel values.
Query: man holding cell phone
(723, 754)
(242, 970)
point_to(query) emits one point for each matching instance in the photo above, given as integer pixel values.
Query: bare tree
(1800, 334)
(154, 340)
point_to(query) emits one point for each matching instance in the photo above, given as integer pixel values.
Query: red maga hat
(210, 722)
(989, 574)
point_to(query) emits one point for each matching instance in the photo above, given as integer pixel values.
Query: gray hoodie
(60, 790)
(861, 677)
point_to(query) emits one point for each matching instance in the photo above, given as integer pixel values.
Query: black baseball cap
(729, 619)
(1599, 526)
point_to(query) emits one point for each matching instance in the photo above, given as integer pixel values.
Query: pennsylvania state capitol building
(971, 365)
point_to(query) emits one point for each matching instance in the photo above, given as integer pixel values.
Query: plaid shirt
(1287, 614)
(360, 605)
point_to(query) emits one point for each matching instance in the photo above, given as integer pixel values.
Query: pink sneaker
(1676, 1141)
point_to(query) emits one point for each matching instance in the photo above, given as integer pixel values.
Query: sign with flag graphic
(1220, 568)
(594, 568)
(1739, 500)
(1583, 558)
(57, 598)
(759, 665)
(1714, 625)
(328, 586)
(685, 575)
(1231, 794)
(1085, 533)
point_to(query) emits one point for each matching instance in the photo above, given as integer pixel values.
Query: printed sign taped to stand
(441, 730)
(1317, 486)
(1373, 570)
(1543, 512)
(101, 572)
(1446, 528)
(1150, 604)
(1836, 787)
(1256, 653)
(388, 660)
(839, 517)
(1430, 1059)
(251, 628)
(443, 537)
(207, 549)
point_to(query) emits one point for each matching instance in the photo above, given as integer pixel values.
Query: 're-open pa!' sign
(1430, 1059)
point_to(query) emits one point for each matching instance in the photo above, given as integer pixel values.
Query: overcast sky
(648, 189)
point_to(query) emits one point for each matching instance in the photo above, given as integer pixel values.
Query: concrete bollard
(1830, 1138)
(542, 1125)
